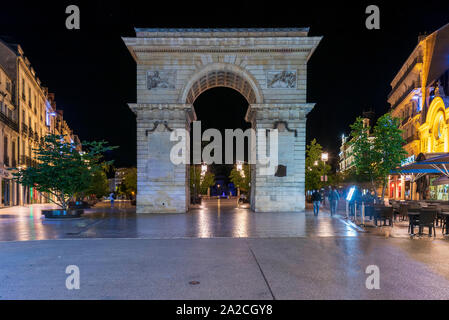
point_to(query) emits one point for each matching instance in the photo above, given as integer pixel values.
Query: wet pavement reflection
(213, 219)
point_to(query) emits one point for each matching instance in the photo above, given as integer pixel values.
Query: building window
(5, 152)
(13, 155)
(23, 90)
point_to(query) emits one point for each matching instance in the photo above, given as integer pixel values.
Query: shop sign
(408, 160)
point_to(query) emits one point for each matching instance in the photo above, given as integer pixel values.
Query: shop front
(7, 188)
(439, 188)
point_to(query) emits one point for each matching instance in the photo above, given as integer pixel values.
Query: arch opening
(220, 108)
(221, 78)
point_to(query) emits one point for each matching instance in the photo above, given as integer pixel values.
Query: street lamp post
(324, 158)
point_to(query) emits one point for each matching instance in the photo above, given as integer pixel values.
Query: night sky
(93, 75)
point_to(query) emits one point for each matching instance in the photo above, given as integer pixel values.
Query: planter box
(62, 214)
(79, 205)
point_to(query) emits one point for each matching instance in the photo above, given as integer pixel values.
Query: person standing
(111, 198)
(334, 197)
(316, 199)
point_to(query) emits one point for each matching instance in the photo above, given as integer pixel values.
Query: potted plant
(63, 170)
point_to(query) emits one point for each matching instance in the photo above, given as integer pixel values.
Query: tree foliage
(202, 184)
(99, 185)
(239, 180)
(128, 186)
(62, 170)
(315, 167)
(376, 154)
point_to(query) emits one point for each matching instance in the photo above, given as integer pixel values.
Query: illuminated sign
(408, 160)
(350, 194)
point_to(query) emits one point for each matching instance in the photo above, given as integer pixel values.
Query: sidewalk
(398, 230)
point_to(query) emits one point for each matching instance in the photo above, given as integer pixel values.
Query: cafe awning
(438, 165)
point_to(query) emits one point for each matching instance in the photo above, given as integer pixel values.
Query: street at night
(247, 256)
(219, 159)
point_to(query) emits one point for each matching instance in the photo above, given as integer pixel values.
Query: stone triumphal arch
(174, 66)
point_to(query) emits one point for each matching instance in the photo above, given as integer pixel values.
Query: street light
(239, 167)
(324, 157)
(203, 169)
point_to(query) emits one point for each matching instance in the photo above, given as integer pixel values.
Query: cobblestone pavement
(230, 253)
(215, 218)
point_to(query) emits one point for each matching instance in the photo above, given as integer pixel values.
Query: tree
(202, 183)
(129, 183)
(377, 154)
(240, 180)
(99, 185)
(363, 152)
(62, 170)
(388, 144)
(315, 167)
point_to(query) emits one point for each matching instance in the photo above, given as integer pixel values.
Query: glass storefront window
(440, 192)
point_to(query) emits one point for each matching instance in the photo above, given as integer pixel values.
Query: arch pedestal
(162, 186)
(276, 192)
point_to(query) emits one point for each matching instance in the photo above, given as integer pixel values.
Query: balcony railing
(406, 73)
(411, 87)
(411, 138)
(9, 122)
(24, 129)
(27, 161)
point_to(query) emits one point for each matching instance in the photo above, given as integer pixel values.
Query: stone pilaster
(270, 193)
(162, 186)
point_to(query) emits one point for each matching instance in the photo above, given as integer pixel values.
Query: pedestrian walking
(334, 197)
(112, 198)
(316, 199)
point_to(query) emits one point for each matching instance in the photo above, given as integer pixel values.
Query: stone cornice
(281, 111)
(219, 50)
(221, 32)
(272, 44)
(169, 109)
(307, 107)
(136, 107)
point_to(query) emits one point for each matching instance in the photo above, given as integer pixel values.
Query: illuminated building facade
(346, 159)
(419, 99)
(9, 137)
(30, 115)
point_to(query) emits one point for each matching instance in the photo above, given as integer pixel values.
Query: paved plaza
(228, 253)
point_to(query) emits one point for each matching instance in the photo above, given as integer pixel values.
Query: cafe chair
(403, 212)
(427, 219)
(413, 219)
(387, 214)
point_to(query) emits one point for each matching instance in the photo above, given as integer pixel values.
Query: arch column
(275, 192)
(162, 186)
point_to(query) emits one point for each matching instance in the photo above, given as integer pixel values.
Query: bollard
(347, 209)
(363, 213)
